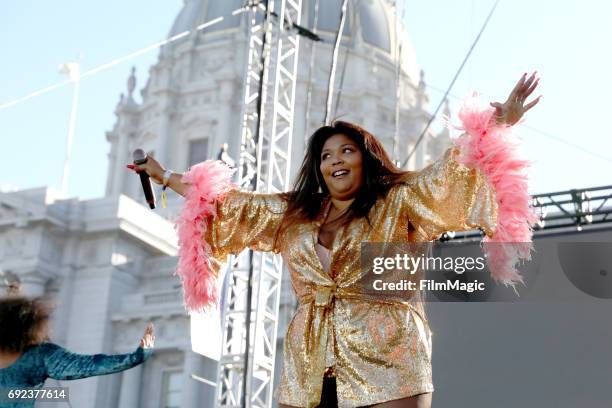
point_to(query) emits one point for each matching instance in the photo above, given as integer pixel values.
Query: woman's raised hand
(514, 108)
(148, 339)
(152, 168)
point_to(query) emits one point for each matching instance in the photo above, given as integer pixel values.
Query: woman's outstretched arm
(61, 364)
(217, 220)
(482, 183)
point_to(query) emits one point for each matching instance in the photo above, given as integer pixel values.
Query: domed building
(108, 263)
(192, 101)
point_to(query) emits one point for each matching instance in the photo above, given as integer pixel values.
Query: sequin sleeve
(217, 220)
(244, 220)
(62, 364)
(481, 182)
(448, 196)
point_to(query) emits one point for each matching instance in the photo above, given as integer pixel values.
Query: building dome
(370, 22)
(370, 16)
(195, 12)
(366, 18)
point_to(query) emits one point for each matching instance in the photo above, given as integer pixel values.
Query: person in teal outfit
(27, 358)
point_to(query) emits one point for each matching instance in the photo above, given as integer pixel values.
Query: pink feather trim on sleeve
(493, 150)
(208, 181)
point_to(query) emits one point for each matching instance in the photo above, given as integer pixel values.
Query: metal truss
(279, 167)
(574, 209)
(246, 366)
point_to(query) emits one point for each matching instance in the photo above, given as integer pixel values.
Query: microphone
(140, 157)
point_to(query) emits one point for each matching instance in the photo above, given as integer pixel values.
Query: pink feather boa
(493, 150)
(208, 181)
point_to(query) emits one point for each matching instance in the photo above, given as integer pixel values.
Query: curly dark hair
(23, 322)
(379, 173)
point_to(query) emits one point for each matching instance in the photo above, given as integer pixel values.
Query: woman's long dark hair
(310, 190)
(23, 323)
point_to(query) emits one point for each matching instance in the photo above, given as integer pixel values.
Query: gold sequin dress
(380, 351)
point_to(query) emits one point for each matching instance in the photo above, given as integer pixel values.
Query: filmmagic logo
(460, 272)
(394, 270)
(428, 284)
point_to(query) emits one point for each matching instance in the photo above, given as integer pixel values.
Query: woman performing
(27, 359)
(343, 348)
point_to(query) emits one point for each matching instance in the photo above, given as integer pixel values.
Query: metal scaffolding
(246, 366)
(577, 208)
(562, 211)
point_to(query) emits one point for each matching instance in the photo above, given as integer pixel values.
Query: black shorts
(329, 397)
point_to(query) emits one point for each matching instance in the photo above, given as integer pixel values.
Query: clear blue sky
(565, 40)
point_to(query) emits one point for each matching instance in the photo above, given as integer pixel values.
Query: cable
(313, 54)
(560, 140)
(332, 72)
(539, 131)
(342, 75)
(34, 94)
(431, 119)
(398, 68)
(301, 30)
(119, 60)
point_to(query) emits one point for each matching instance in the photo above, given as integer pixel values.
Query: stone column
(369, 110)
(129, 396)
(121, 159)
(191, 386)
(224, 130)
(162, 150)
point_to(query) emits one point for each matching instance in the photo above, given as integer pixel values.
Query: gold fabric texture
(382, 349)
